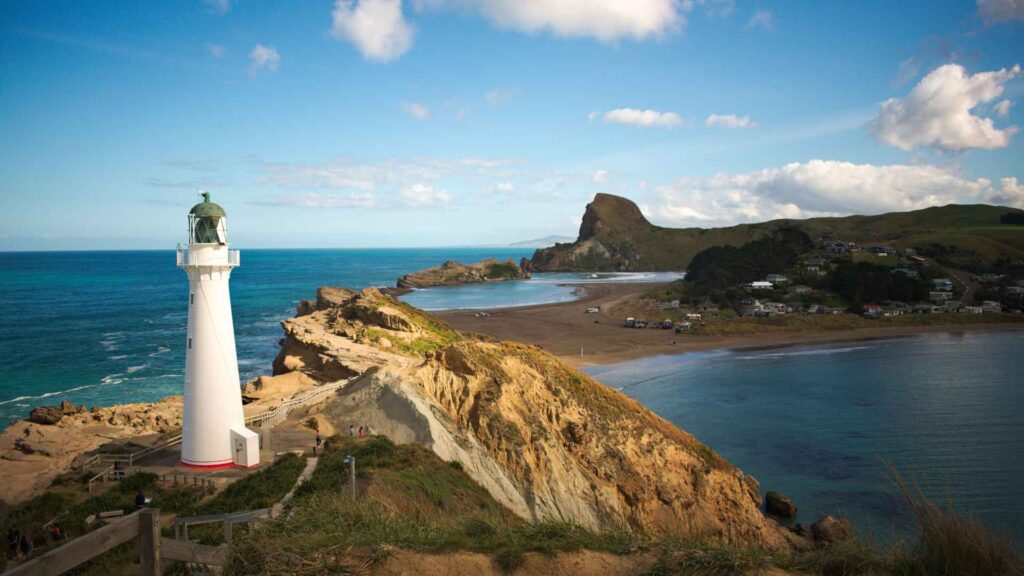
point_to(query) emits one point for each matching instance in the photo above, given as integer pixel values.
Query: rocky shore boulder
(829, 530)
(53, 413)
(778, 505)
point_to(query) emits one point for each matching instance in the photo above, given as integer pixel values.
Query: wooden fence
(270, 417)
(229, 520)
(153, 548)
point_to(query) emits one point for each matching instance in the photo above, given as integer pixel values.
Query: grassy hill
(614, 235)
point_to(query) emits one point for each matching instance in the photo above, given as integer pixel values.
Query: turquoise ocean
(814, 422)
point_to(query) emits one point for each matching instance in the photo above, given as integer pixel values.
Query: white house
(760, 285)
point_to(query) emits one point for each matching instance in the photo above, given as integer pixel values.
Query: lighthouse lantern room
(213, 429)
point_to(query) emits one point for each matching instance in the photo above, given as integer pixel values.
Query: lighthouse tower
(213, 432)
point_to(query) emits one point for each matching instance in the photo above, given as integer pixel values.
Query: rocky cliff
(615, 236)
(545, 440)
(35, 451)
(452, 273)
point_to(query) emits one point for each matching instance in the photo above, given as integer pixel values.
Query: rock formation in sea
(546, 440)
(452, 273)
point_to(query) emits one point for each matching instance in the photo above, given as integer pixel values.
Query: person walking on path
(25, 546)
(361, 432)
(13, 539)
(351, 430)
(57, 533)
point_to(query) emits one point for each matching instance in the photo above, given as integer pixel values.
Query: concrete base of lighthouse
(245, 445)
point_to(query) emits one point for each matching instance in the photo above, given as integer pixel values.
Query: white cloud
(603, 20)
(822, 188)
(730, 121)
(995, 11)
(719, 8)
(600, 176)
(1010, 193)
(1003, 108)
(377, 28)
(263, 58)
(216, 50)
(318, 200)
(761, 19)
(420, 194)
(496, 98)
(937, 112)
(222, 6)
(416, 110)
(638, 118)
(505, 187)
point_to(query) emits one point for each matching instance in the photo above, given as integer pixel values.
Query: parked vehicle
(641, 323)
(666, 324)
(630, 322)
(683, 327)
(593, 310)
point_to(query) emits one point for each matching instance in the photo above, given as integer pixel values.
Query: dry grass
(950, 544)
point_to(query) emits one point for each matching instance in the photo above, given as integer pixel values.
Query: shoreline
(581, 339)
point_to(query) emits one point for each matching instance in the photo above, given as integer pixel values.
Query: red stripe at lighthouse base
(219, 466)
(214, 466)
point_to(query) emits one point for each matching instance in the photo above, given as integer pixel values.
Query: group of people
(19, 545)
(363, 431)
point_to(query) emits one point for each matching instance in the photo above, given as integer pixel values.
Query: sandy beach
(566, 330)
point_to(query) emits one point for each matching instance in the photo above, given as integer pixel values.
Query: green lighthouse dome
(207, 222)
(207, 209)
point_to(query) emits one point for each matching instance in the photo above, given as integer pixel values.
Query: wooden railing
(153, 548)
(270, 417)
(229, 520)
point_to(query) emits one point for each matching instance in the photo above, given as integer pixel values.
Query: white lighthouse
(213, 431)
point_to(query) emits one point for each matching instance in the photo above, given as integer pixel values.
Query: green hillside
(614, 235)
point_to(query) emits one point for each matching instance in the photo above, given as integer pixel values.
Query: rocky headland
(545, 440)
(614, 235)
(453, 273)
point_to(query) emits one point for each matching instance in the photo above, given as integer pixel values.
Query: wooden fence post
(149, 537)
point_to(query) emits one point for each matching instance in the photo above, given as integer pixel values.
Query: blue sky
(450, 122)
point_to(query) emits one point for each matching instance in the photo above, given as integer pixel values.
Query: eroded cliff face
(544, 439)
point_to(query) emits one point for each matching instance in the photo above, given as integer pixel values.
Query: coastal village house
(760, 285)
(942, 284)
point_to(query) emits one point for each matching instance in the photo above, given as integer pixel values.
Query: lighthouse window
(191, 299)
(189, 343)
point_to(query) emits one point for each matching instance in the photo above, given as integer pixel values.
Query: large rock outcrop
(545, 440)
(33, 452)
(452, 273)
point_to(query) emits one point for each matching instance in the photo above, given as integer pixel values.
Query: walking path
(278, 508)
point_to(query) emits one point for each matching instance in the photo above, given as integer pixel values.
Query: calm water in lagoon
(814, 422)
(540, 289)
